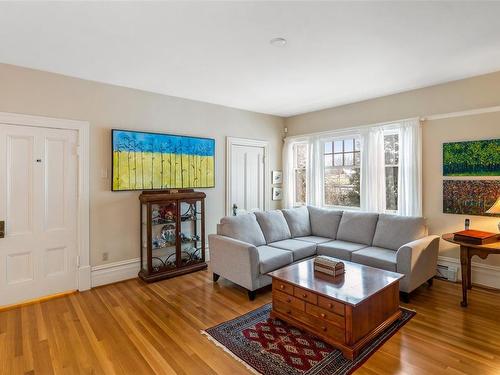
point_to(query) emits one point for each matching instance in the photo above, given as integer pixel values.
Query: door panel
(19, 178)
(247, 177)
(38, 196)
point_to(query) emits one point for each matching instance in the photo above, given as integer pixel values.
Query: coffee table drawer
(282, 286)
(289, 300)
(326, 315)
(331, 305)
(305, 295)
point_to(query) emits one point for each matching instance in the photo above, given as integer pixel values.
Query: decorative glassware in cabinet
(191, 232)
(163, 236)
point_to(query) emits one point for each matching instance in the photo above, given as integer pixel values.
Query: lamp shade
(495, 209)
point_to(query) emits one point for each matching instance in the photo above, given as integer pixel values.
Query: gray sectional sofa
(249, 246)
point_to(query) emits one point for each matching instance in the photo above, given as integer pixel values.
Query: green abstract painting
(472, 158)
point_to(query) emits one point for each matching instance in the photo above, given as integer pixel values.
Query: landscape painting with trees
(149, 161)
(473, 158)
(469, 197)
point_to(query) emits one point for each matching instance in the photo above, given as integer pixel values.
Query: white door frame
(83, 129)
(231, 141)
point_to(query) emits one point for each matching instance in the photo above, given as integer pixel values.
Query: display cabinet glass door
(164, 225)
(191, 234)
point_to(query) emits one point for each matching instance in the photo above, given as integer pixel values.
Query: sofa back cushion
(324, 222)
(243, 227)
(273, 225)
(393, 231)
(298, 221)
(357, 227)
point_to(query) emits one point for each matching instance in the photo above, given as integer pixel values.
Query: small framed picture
(277, 194)
(277, 177)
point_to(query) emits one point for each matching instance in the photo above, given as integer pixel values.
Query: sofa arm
(234, 260)
(417, 260)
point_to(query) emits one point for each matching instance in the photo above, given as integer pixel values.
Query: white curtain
(372, 187)
(314, 172)
(288, 175)
(410, 168)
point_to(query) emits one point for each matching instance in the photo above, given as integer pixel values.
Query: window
(300, 173)
(391, 150)
(341, 182)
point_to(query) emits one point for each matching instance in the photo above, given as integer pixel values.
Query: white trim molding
(83, 129)
(120, 271)
(117, 271)
(230, 141)
(482, 274)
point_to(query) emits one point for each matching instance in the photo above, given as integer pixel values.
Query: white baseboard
(116, 271)
(482, 274)
(84, 278)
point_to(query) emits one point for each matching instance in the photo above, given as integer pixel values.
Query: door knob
(2, 229)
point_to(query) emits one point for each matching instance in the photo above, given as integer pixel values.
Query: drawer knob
(304, 295)
(323, 315)
(324, 329)
(330, 305)
(288, 300)
(289, 311)
(282, 286)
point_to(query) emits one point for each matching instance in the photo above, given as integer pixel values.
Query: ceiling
(219, 52)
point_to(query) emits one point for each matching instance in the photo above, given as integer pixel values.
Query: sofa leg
(251, 294)
(430, 281)
(405, 297)
(215, 277)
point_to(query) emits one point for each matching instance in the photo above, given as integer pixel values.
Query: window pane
(391, 188)
(300, 186)
(338, 160)
(391, 148)
(338, 146)
(341, 187)
(301, 155)
(349, 158)
(328, 160)
(328, 147)
(349, 145)
(357, 158)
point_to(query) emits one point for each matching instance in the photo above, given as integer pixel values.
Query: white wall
(115, 215)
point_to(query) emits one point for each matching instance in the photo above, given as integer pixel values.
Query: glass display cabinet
(172, 233)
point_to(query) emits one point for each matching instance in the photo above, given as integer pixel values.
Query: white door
(247, 182)
(38, 202)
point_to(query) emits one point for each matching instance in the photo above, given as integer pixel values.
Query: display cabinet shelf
(172, 233)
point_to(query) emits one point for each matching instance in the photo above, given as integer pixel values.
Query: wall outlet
(105, 256)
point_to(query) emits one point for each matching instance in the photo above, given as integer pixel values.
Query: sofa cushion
(393, 231)
(243, 227)
(357, 227)
(298, 221)
(324, 222)
(273, 225)
(272, 258)
(314, 239)
(299, 249)
(376, 257)
(339, 249)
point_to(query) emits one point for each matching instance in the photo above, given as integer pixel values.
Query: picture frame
(277, 177)
(277, 194)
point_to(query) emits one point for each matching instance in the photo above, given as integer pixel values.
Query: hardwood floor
(137, 328)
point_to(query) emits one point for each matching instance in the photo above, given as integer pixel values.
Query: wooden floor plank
(137, 328)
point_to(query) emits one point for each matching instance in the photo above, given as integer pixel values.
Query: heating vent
(447, 272)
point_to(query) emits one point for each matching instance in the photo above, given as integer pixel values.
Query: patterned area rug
(272, 347)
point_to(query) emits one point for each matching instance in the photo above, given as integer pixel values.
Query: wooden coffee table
(346, 311)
